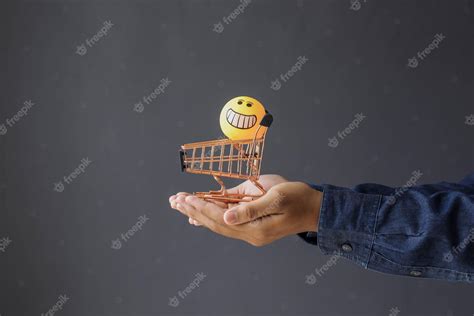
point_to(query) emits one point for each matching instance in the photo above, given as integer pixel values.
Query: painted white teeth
(240, 120)
(246, 122)
(231, 116)
(236, 119)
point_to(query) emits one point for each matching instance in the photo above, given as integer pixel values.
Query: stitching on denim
(321, 236)
(321, 208)
(377, 205)
(381, 258)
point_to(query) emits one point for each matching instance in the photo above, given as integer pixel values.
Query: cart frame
(237, 159)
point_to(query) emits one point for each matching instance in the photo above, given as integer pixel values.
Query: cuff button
(346, 247)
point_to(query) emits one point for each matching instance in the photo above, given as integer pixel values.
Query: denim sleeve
(424, 231)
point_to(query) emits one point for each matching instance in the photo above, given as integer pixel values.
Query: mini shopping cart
(237, 159)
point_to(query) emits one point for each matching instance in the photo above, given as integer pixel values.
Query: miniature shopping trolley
(237, 159)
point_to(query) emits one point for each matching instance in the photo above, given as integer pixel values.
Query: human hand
(267, 181)
(286, 209)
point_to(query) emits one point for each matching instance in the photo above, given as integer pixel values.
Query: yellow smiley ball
(240, 118)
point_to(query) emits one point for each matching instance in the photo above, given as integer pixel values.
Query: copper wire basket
(237, 159)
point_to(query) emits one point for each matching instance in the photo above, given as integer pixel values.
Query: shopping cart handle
(267, 120)
(181, 157)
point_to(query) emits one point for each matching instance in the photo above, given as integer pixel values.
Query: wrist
(315, 198)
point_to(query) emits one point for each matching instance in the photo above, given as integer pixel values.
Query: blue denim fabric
(422, 231)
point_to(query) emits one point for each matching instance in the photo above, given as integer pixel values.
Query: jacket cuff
(347, 223)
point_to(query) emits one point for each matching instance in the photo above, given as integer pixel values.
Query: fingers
(174, 204)
(193, 213)
(220, 204)
(244, 213)
(211, 216)
(194, 222)
(235, 190)
(182, 195)
(208, 209)
(174, 197)
(256, 228)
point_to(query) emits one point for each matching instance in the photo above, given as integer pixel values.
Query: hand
(286, 209)
(247, 187)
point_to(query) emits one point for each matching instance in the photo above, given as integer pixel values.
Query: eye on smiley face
(240, 118)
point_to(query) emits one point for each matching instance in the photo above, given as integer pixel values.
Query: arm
(421, 231)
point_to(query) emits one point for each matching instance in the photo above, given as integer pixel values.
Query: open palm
(247, 187)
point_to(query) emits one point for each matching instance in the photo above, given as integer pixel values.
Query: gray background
(61, 242)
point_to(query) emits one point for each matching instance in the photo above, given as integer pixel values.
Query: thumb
(247, 212)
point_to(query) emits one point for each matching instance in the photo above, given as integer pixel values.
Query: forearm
(422, 231)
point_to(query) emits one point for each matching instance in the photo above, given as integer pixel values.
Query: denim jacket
(424, 231)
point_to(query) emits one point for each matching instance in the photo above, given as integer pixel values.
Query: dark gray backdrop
(84, 108)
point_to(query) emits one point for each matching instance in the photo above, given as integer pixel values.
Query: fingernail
(230, 217)
(178, 206)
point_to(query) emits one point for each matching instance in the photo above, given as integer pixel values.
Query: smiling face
(241, 117)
